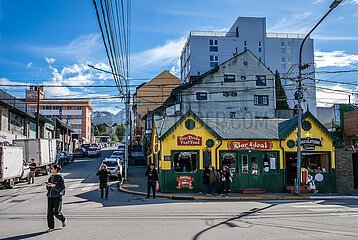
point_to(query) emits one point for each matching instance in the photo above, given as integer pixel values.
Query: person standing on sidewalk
(226, 179)
(152, 175)
(214, 180)
(103, 175)
(206, 173)
(32, 167)
(55, 190)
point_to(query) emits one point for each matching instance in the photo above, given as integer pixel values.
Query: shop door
(251, 165)
(355, 169)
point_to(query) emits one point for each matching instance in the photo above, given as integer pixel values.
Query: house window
(229, 78)
(283, 63)
(282, 47)
(260, 47)
(260, 80)
(230, 94)
(225, 94)
(201, 96)
(213, 45)
(214, 61)
(232, 114)
(237, 31)
(230, 160)
(245, 45)
(79, 108)
(140, 102)
(289, 47)
(234, 94)
(260, 100)
(289, 62)
(185, 161)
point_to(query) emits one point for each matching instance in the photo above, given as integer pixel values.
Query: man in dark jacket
(32, 172)
(103, 175)
(55, 190)
(152, 175)
(206, 173)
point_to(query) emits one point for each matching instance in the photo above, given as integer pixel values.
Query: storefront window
(185, 162)
(254, 165)
(245, 164)
(313, 162)
(229, 159)
(269, 161)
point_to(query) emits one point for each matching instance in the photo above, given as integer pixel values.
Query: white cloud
(294, 23)
(335, 58)
(336, 94)
(354, 2)
(318, 1)
(167, 54)
(5, 81)
(50, 60)
(29, 65)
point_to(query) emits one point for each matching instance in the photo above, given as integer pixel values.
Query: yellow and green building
(261, 153)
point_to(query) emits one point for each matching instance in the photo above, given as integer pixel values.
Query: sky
(52, 42)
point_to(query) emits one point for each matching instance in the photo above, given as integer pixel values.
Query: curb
(181, 197)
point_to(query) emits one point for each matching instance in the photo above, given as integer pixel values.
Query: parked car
(62, 159)
(25, 172)
(69, 156)
(118, 154)
(96, 145)
(80, 152)
(121, 148)
(86, 146)
(94, 152)
(114, 165)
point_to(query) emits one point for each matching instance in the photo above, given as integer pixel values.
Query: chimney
(31, 95)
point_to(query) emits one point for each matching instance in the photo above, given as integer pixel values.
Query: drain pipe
(216, 154)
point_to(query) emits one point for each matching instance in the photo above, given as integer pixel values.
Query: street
(125, 216)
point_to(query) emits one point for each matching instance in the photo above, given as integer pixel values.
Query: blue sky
(52, 41)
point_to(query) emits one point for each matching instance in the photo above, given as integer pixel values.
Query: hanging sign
(189, 140)
(249, 145)
(310, 143)
(185, 182)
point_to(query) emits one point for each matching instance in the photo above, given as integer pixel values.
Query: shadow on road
(28, 235)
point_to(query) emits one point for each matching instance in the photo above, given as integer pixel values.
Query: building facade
(260, 153)
(241, 87)
(278, 51)
(18, 120)
(74, 112)
(149, 96)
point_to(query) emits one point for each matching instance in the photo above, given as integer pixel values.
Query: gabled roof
(223, 128)
(287, 127)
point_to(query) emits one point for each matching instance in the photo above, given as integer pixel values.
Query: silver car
(114, 165)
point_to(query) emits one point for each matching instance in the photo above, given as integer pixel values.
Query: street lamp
(127, 97)
(300, 97)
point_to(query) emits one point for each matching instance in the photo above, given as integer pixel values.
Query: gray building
(241, 87)
(278, 51)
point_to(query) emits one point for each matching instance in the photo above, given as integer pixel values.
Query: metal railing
(285, 35)
(18, 104)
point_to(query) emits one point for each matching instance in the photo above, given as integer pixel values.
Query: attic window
(229, 78)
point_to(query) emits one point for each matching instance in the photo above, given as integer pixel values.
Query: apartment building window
(213, 44)
(229, 78)
(140, 102)
(57, 108)
(230, 94)
(78, 126)
(282, 47)
(289, 47)
(201, 96)
(68, 107)
(232, 114)
(245, 45)
(283, 63)
(68, 116)
(260, 80)
(214, 61)
(260, 47)
(289, 62)
(79, 117)
(79, 107)
(46, 107)
(261, 100)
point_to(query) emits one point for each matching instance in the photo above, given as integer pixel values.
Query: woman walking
(226, 179)
(55, 190)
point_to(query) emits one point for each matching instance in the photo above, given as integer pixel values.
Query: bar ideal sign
(249, 145)
(189, 140)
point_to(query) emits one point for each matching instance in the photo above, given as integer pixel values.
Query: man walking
(152, 175)
(103, 175)
(32, 167)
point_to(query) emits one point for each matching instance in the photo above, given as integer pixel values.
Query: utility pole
(67, 142)
(300, 97)
(38, 113)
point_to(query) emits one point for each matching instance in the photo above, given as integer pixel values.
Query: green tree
(99, 128)
(281, 98)
(121, 131)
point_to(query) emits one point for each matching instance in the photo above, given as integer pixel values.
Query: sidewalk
(137, 185)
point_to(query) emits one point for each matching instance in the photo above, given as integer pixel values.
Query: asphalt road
(125, 216)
